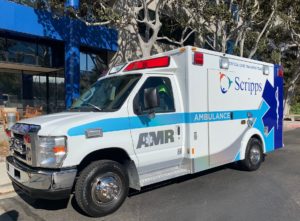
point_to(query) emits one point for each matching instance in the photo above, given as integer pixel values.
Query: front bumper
(41, 183)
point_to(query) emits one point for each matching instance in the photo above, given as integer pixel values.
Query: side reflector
(280, 72)
(198, 58)
(151, 63)
(193, 151)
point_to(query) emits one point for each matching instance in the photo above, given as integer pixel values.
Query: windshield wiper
(94, 106)
(87, 104)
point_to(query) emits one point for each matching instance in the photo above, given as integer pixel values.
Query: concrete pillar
(72, 57)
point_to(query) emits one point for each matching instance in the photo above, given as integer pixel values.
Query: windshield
(108, 94)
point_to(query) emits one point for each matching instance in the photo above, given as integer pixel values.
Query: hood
(58, 124)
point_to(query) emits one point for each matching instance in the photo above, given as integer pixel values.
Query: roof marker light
(266, 70)
(150, 63)
(116, 69)
(224, 63)
(198, 58)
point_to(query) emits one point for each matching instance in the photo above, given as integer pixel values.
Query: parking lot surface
(224, 193)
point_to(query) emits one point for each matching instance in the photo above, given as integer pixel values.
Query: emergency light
(198, 58)
(150, 63)
(280, 72)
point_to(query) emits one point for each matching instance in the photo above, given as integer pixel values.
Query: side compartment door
(157, 138)
(231, 105)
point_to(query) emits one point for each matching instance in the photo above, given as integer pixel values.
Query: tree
(128, 17)
(289, 21)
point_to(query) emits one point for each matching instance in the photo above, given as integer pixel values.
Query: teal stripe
(126, 123)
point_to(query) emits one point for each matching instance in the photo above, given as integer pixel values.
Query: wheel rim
(255, 155)
(106, 189)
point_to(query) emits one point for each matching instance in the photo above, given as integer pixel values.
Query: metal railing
(46, 108)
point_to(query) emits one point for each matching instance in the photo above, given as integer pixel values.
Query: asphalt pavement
(221, 194)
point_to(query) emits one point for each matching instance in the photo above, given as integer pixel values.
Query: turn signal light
(59, 149)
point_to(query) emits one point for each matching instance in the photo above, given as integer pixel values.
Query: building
(44, 58)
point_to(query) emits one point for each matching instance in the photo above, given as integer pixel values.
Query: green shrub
(295, 109)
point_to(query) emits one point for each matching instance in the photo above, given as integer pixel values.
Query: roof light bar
(150, 63)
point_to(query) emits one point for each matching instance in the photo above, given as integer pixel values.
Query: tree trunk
(242, 43)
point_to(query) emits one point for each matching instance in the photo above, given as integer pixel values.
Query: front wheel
(254, 155)
(101, 188)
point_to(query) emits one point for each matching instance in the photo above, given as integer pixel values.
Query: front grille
(20, 156)
(18, 146)
(20, 150)
(18, 136)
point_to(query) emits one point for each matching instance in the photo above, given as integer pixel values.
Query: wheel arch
(252, 133)
(116, 154)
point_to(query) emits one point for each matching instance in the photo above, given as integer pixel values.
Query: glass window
(92, 66)
(21, 51)
(2, 49)
(44, 55)
(2, 44)
(164, 88)
(107, 94)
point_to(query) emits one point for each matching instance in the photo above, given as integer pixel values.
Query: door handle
(178, 130)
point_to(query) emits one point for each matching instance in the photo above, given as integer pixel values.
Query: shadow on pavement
(11, 215)
(181, 179)
(42, 203)
(62, 204)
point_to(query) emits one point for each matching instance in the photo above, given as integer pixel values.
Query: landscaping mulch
(3, 148)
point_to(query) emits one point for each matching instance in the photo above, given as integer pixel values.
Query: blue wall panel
(40, 23)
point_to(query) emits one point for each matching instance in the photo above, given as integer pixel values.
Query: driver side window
(164, 89)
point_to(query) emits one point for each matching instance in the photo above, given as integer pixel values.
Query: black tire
(98, 181)
(254, 155)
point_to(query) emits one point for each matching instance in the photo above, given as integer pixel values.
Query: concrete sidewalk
(290, 125)
(5, 183)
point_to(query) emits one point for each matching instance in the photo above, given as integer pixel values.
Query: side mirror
(151, 98)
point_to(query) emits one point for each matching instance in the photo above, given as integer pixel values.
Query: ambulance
(151, 120)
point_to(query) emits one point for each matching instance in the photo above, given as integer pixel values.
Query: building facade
(49, 59)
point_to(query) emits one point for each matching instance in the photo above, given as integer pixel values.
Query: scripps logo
(239, 85)
(225, 83)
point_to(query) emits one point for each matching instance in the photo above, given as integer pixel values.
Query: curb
(290, 125)
(6, 189)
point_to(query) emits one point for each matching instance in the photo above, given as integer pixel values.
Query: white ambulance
(176, 113)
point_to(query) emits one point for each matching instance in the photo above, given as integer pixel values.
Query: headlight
(52, 151)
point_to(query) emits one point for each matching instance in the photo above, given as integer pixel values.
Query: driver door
(157, 134)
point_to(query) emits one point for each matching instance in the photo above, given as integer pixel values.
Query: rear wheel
(254, 155)
(101, 188)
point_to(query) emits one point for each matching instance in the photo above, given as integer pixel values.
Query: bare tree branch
(254, 49)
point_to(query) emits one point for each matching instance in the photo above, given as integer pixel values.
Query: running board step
(162, 175)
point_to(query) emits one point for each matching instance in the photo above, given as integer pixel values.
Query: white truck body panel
(216, 112)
